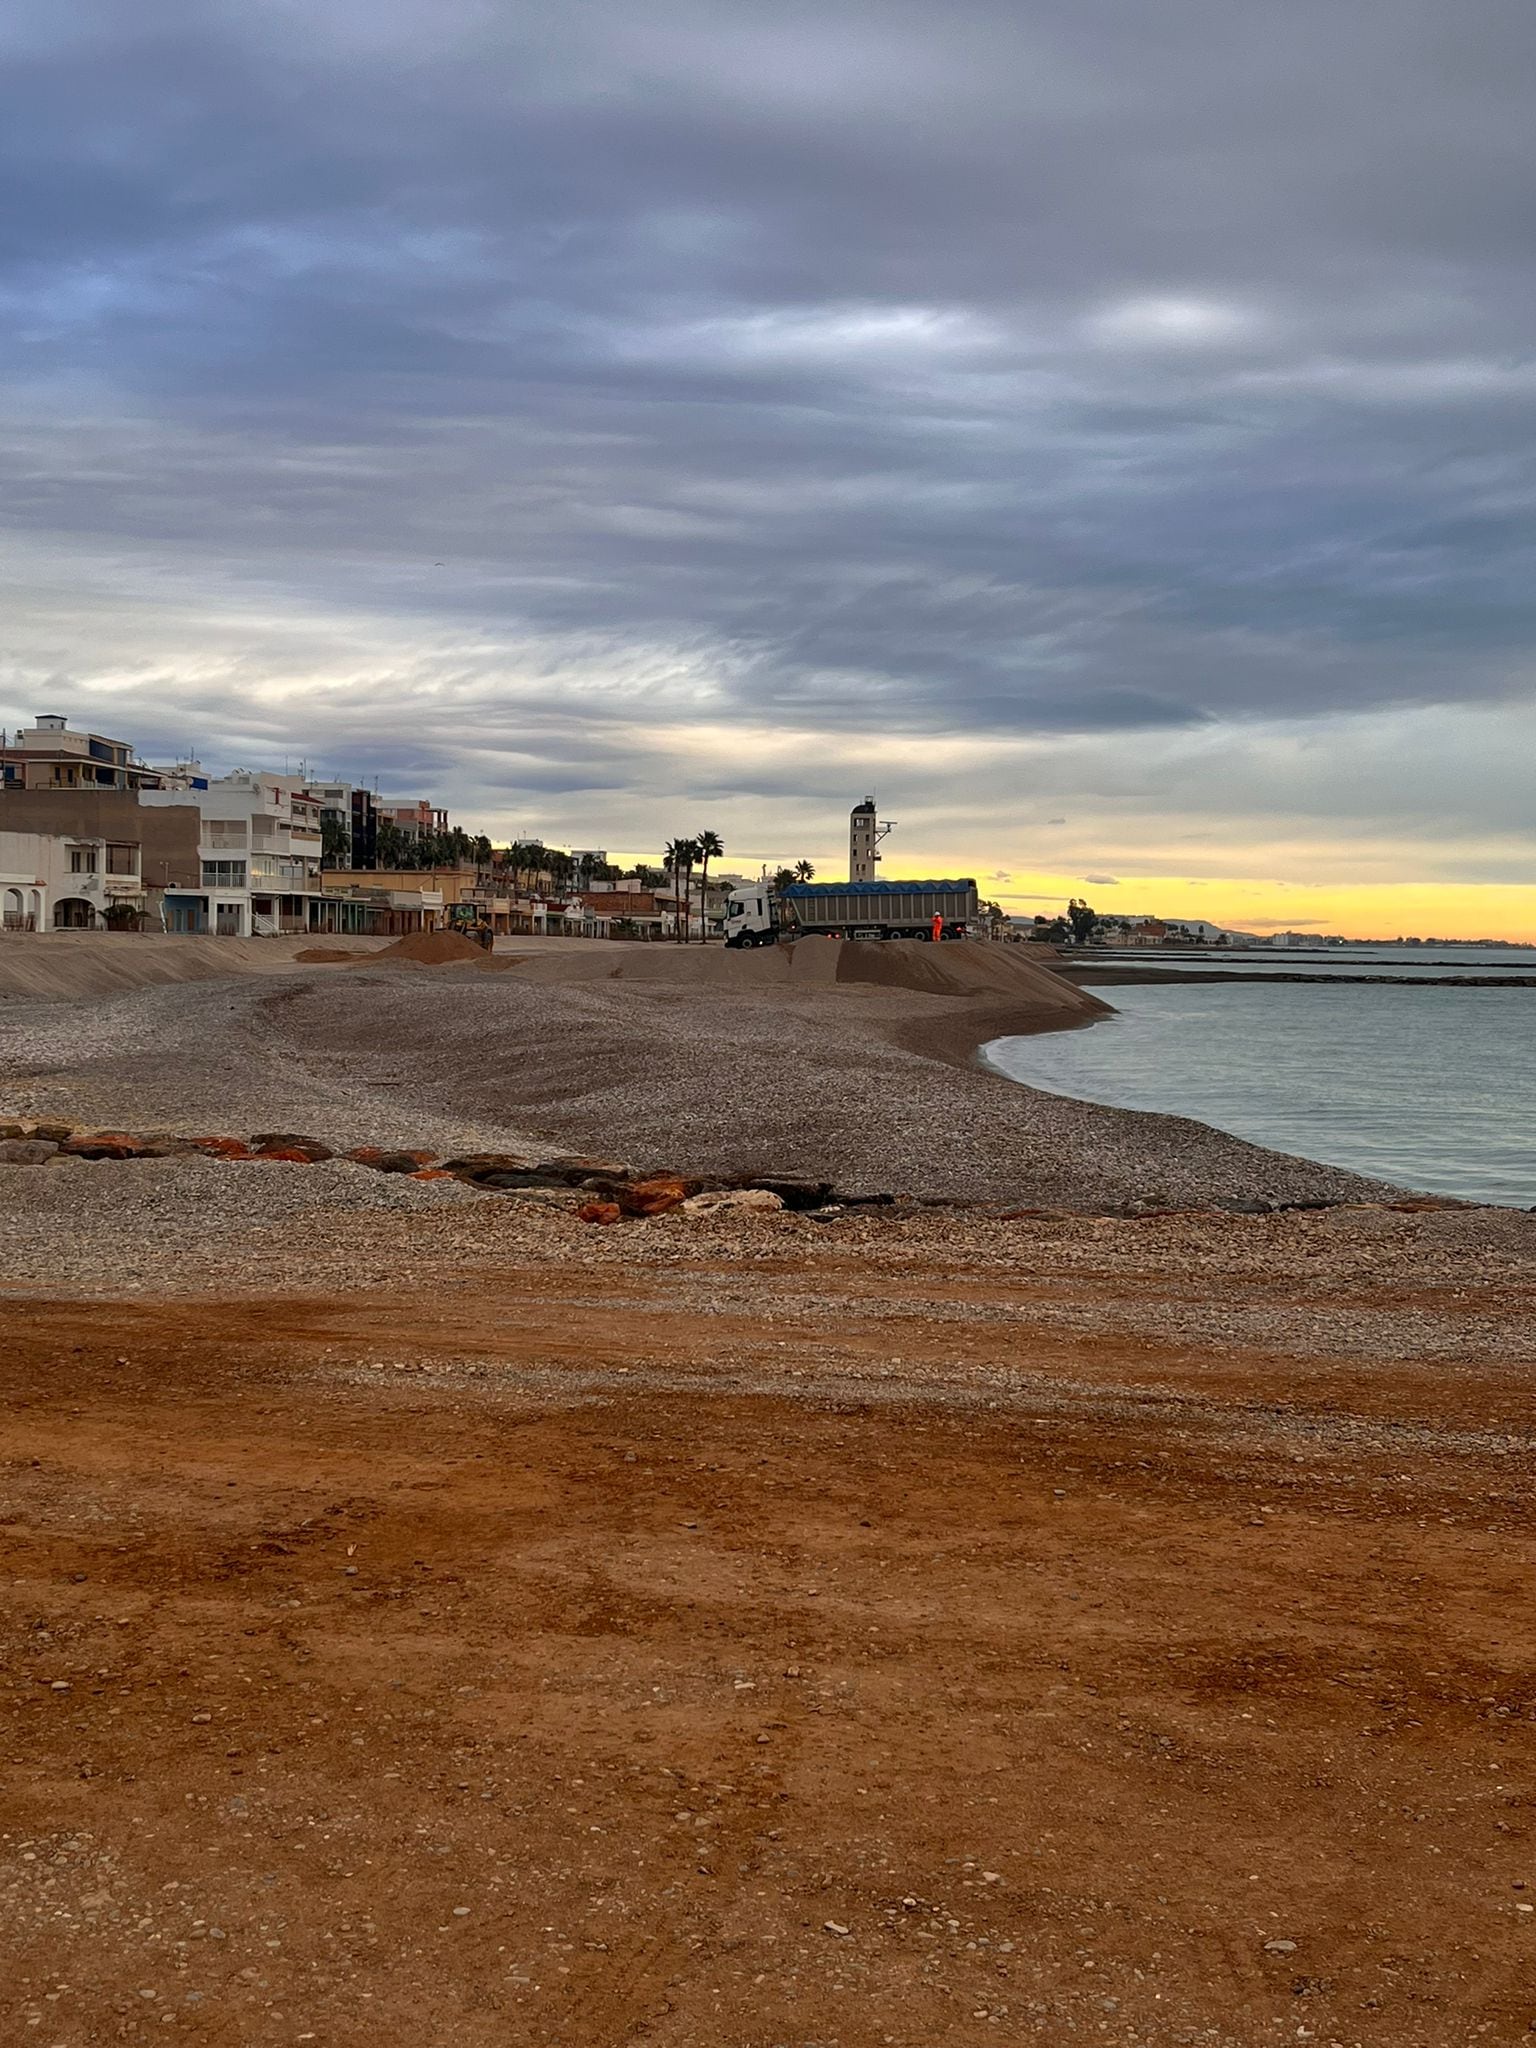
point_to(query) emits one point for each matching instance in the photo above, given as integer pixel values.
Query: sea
(1430, 1087)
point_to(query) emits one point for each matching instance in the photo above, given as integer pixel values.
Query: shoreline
(857, 1067)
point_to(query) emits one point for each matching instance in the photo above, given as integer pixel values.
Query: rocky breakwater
(596, 1191)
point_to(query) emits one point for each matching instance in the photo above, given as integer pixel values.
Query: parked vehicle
(757, 914)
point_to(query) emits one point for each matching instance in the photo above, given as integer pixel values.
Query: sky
(1102, 432)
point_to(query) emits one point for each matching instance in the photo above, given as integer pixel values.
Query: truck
(757, 914)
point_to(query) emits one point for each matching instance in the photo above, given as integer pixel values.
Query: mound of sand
(432, 949)
(998, 974)
(72, 966)
(326, 956)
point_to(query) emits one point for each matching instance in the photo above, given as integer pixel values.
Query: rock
(1280, 1948)
(32, 1128)
(599, 1212)
(794, 1194)
(25, 1151)
(496, 1169)
(713, 1201)
(383, 1161)
(836, 1927)
(289, 1145)
(653, 1197)
(577, 1172)
(103, 1145)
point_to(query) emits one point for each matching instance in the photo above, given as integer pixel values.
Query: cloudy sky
(1104, 431)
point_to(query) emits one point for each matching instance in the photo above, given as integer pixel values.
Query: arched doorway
(13, 910)
(73, 914)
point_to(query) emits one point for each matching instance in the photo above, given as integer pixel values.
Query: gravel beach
(691, 1058)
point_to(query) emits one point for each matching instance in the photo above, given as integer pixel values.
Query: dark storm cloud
(1081, 367)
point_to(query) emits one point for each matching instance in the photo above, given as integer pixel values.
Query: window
(82, 860)
(224, 833)
(223, 874)
(122, 860)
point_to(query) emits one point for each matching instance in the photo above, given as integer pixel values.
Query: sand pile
(69, 966)
(998, 974)
(432, 949)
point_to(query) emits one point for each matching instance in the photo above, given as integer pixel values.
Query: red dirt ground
(485, 1671)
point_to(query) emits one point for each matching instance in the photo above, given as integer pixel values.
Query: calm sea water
(1433, 1088)
(1417, 962)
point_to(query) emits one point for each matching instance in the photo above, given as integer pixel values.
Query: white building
(259, 846)
(51, 878)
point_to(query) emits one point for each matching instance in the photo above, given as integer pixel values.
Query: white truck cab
(750, 915)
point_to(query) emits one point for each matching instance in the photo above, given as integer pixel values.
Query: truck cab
(751, 915)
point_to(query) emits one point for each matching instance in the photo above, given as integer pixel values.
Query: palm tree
(690, 853)
(711, 847)
(804, 871)
(679, 855)
(782, 879)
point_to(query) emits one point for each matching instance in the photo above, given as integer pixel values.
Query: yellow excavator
(472, 921)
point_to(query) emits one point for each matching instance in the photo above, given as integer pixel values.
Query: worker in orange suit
(938, 926)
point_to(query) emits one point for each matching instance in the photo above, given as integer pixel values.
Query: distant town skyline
(1106, 432)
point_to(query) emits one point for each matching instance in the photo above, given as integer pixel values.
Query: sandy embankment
(846, 1063)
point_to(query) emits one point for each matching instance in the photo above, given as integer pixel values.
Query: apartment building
(52, 755)
(415, 820)
(349, 820)
(259, 848)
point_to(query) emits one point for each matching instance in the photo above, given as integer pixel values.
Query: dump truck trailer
(757, 914)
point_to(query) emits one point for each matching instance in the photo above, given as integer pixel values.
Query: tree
(804, 871)
(335, 840)
(711, 847)
(783, 879)
(680, 855)
(391, 847)
(1083, 919)
(672, 861)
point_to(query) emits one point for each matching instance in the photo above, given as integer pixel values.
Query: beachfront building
(163, 845)
(617, 912)
(349, 824)
(58, 881)
(259, 843)
(415, 820)
(50, 754)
